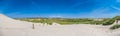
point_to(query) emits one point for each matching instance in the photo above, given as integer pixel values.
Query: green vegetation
(105, 21)
(111, 21)
(65, 21)
(115, 27)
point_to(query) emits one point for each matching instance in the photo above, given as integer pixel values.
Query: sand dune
(11, 27)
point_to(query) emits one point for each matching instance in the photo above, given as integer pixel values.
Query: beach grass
(64, 21)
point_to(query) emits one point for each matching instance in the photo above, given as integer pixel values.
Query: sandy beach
(11, 27)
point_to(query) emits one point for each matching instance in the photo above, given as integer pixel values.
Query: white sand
(11, 27)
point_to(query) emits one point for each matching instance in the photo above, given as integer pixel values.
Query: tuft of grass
(115, 27)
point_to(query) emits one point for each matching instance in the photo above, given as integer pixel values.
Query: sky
(60, 8)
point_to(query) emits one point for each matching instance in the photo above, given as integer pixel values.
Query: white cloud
(116, 8)
(118, 0)
(55, 16)
(100, 10)
(104, 13)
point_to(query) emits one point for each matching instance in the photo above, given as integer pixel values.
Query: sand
(12, 27)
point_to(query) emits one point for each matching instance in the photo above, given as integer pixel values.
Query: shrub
(115, 27)
(109, 22)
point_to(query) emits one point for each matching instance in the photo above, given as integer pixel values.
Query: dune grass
(64, 21)
(115, 27)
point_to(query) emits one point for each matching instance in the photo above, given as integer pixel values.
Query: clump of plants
(115, 27)
(109, 22)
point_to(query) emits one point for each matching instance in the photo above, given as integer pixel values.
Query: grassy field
(67, 21)
(64, 21)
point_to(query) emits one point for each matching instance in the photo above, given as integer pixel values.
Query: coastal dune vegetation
(65, 21)
(68, 21)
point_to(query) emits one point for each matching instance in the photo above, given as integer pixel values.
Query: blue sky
(60, 8)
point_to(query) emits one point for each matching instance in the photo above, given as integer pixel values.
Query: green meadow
(68, 21)
(64, 21)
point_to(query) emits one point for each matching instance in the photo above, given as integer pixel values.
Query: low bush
(109, 22)
(115, 27)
